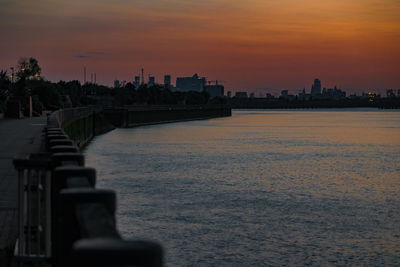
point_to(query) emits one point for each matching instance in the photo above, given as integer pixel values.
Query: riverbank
(278, 103)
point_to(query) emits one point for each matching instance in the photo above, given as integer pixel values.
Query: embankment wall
(82, 124)
(137, 116)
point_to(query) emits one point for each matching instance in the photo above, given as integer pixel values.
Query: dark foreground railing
(63, 219)
(34, 210)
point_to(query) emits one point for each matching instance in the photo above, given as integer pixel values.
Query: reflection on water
(261, 187)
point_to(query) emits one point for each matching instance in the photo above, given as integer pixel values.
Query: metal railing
(63, 116)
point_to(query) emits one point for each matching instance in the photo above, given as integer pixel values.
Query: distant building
(241, 95)
(303, 96)
(333, 93)
(214, 90)
(116, 84)
(269, 96)
(229, 94)
(152, 81)
(167, 81)
(354, 96)
(370, 96)
(285, 95)
(251, 95)
(194, 83)
(136, 83)
(316, 88)
(390, 93)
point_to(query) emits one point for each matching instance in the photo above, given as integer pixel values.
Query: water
(260, 188)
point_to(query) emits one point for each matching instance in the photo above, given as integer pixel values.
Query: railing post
(21, 199)
(39, 210)
(29, 208)
(48, 214)
(33, 208)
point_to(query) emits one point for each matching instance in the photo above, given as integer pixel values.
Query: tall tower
(167, 81)
(316, 88)
(137, 81)
(152, 81)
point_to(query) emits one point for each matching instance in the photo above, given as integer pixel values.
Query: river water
(263, 187)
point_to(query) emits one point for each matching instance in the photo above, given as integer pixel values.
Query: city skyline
(250, 46)
(257, 92)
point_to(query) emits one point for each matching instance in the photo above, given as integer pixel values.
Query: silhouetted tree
(48, 93)
(168, 97)
(179, 97)
(73, 89)
(28, 68)
(197, 98)
(125, 95)
(3, 75)
(218, 100)
(20, 89)
(4, 81)
(4, 89)
(142, 94)
(95, 89)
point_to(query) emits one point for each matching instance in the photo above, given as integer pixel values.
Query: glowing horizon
(254, 44)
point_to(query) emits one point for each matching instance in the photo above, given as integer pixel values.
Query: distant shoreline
(263, 103)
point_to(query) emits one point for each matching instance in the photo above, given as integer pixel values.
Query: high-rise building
(116, 84)
(214, 90)
(136, 83)
(390, 93)
(167, 81)
(194, 83)
(229, 94)
(316, 88)
(152, 81)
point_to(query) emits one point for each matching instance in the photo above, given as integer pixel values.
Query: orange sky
(248, 44)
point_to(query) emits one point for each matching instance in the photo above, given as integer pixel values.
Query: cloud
(90, 54)
(80, 56)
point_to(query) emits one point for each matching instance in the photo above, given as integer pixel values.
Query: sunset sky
(281, 44)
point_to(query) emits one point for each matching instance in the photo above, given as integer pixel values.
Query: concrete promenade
(17, 137)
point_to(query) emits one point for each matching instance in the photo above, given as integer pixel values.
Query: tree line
(47, 95)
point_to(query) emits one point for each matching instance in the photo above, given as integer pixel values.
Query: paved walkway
(16, 137)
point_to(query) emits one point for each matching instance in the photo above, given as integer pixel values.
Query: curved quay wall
(82, 124)
(138, 116)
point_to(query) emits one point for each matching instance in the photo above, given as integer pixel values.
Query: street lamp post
(12, 74)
